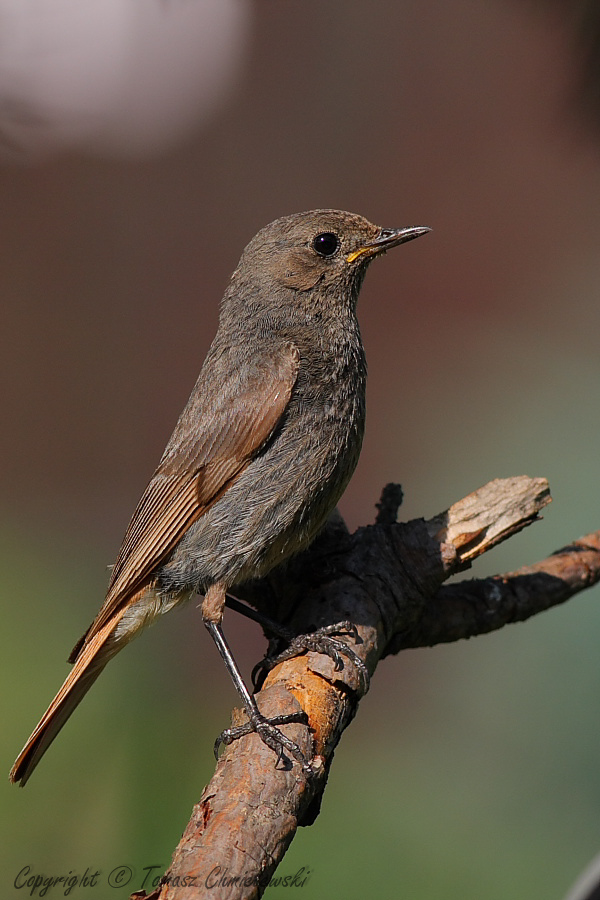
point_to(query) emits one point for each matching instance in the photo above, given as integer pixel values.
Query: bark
(387, 579)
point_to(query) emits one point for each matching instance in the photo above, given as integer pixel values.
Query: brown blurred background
(472, 770)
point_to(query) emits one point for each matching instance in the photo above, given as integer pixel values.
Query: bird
(259, 457)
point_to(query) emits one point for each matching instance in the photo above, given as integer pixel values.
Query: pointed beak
(385, 240)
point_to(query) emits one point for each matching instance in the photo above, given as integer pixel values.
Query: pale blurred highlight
(117, 77)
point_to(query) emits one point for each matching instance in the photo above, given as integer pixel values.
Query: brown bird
(260, 455)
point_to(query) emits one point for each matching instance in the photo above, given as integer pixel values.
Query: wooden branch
(481, 605)
(388, 580)
(490, 515)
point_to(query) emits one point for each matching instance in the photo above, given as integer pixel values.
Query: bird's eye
(326, 244)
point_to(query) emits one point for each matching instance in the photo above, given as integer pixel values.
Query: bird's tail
(93, 656)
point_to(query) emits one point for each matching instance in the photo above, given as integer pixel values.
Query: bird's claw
(270, 735)
(319, 641)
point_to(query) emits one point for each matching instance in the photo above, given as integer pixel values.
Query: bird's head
(323, 246)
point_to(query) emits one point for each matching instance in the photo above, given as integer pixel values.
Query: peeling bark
(388, 579)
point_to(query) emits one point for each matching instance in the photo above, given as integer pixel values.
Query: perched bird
(260, 455)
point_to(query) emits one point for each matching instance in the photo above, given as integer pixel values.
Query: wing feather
(212, 443)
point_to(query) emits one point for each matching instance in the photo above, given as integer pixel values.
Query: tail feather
(90, 662)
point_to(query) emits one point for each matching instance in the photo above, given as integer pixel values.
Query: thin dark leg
(268, 624)
(265, 728)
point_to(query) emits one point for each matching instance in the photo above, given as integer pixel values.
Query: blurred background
(142, 144)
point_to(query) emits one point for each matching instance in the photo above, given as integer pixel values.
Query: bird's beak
(387, 238)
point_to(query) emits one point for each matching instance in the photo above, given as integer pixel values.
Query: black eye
(326, 244)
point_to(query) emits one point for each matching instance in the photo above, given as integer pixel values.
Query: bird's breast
(282, 498)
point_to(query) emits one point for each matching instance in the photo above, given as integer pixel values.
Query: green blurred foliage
(470, 771)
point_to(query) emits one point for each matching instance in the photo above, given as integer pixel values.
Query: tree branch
(388, 579)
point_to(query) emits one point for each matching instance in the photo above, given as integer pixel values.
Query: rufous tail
(92, 658)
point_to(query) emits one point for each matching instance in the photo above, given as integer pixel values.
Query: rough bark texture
(388, 579)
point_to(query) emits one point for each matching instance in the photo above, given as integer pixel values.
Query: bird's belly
(272, 510)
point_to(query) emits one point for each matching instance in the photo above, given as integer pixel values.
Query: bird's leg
(321, 641)
(274, 628)
(212, 614)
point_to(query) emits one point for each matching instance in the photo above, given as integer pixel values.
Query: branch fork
(388, 579)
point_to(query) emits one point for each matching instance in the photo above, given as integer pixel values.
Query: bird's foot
(269, 734)
(320, 641)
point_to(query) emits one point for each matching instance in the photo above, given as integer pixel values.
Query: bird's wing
(214, 440)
